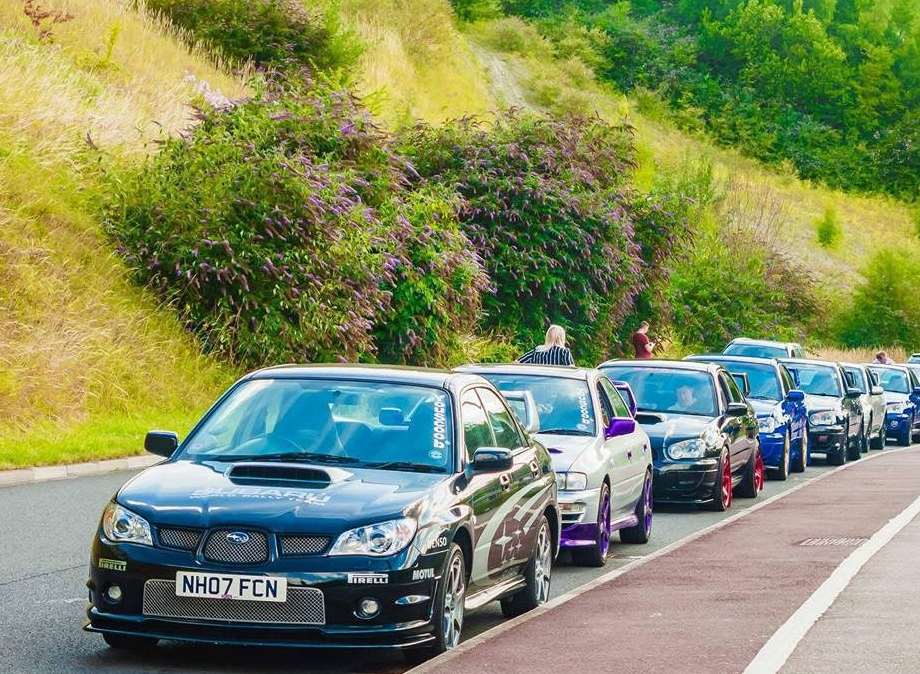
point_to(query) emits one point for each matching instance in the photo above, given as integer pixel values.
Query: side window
(798, 352)
(873, 377)
(620, 408)
(476, 430)
(850, 379)
(788, 383)
(732, 392)
(503, 426)
(606, 407)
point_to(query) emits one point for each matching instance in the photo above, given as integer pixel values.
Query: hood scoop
(283, 474)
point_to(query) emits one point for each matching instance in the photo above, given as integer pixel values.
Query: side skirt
(497, 591)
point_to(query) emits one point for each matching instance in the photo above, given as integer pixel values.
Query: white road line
(776, 651)
(501, 628)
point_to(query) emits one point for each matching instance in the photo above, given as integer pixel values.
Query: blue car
(902, 401)
(781, 411)
(332, 507)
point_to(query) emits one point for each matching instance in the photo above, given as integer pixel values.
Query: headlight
(897, 408)
(766, 424)
(824, 418)
(376, 540)
(123, 526)
(571, 481)
(687, 449)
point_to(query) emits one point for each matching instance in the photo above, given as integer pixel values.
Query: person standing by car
(641, 342)
(881, 358)
(552, 352)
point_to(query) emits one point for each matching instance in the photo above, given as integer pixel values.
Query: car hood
(674, 428)
(763, 408)
(892, 397)
(186, 493)
(565, 449)
(814, 403)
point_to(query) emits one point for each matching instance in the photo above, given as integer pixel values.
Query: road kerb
(24, 476)
(446, 658)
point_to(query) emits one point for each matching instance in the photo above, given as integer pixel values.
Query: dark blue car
(780, 407)
(329, 507)
(902, 401)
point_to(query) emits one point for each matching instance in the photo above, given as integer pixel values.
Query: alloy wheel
(727, 481)
(453, 603)
(758, 473)
(603, 526)
(543, 565)
(647, 506)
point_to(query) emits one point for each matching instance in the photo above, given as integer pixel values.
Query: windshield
(564, 405)
(756, 350)
(818, 380)
(893, 381)
(763, 378)
(665, 390)
(325, 421)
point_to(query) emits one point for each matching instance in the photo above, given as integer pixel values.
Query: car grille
(293, 546)
(304, 606)
(181, 539)
(219, 547)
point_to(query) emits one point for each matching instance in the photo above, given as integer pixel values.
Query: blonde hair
(555, 335)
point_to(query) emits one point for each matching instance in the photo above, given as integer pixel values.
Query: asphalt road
(45, 531)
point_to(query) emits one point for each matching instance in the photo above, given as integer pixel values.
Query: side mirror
(492, 460)
(795, 396)
(620, 427)
(737, 409)
(853, 393)
(877, 391)
(161, 443)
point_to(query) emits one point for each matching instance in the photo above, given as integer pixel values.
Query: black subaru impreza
(329, 506)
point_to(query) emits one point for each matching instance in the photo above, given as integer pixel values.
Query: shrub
(884, 308)
(547, 206)
(828, 228)
(272, 33)
(475, 10)
(281, 230)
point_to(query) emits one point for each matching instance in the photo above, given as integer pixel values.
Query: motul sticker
(422, 574)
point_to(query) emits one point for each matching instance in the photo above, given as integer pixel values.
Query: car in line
(873, 404)
(704, 434)
(902, 401)
(602, 458)
(763, 348)
(329, 506)
(780, 407)
(914, 358)
(835, 417)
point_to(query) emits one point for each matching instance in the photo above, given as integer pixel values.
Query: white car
(601, 456)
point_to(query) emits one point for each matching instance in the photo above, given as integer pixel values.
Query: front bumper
(826, 439)
(896, 424)
(690, 482)
(404, 620)
(579, 517)
(771, 447)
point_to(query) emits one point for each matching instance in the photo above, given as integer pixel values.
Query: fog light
(113, 594)
(368, 608)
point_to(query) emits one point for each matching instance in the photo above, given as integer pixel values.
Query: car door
(795, 410)
(522, 487)
(638, 452)
(616, 450)
(852, 406)
(877, 400)
(742, 438)
(485, 489)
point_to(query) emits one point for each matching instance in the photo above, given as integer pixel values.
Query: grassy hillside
(515, 66)
(87, 361)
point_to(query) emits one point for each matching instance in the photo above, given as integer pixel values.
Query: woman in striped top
(553, 352)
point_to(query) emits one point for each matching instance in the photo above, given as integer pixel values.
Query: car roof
(807, 361)
(389, 373)
(560, 371)
(729, 358)
(762, 342)
(891, 366)
(689, 365)
(860, 365)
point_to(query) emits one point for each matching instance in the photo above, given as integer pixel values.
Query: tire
(538, 575)
(864, 439)
(722, 491)
(782, 473)
(596, 555)
(854, 446)
(904, 438)
(640, 533)
(799, 464)
(126, 642)
(879, 442)
(753, 481)
(839, 457)
(448, 608)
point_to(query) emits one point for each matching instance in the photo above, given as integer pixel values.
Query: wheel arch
(465, 541)
(552, 516)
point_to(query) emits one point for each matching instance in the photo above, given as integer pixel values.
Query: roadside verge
(20, 476)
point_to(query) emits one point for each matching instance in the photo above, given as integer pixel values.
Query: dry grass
(864, 355)
(87, 361)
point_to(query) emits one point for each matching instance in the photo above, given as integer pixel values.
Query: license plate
(822, 438)
(227, 586)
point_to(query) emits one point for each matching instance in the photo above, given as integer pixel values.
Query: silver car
(873, 404)
(601, 456)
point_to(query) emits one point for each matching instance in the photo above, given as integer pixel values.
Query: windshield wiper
(404, 465)
(564, 431)
(293, 456)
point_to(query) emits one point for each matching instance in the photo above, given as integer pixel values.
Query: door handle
(535, 468)
(629, 454)
(505, 481)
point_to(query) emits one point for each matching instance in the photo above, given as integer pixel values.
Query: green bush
(885, 308)
(476, 10)
(828, 228)
(281, 230)
(278, 34)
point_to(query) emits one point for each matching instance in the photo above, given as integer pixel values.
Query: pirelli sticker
(112, 564)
